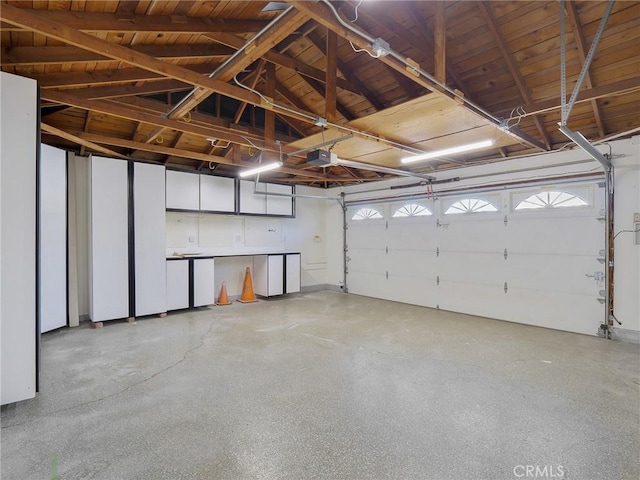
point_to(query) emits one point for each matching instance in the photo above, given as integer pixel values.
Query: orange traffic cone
(223, 299)
(247, 288)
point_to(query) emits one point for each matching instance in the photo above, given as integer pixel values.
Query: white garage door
(531, 256)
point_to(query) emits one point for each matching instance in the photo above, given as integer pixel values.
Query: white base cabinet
(276, 274)
(177, 284)
(203, 282)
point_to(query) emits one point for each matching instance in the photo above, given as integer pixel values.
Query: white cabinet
(276, 274)
(177, 284)
(150, 243)
(277, 205)
(183, 190)
(217, 194)
(268, 275)
(292, 272)
(108, 239)
(251, 202)
(53, 238)
(203, 282)
(19, 132)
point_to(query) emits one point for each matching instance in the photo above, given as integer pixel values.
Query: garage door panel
(367, 284)
(558, 310)
(372, 261)
(470, 298)
(480, 235)
(367, 235)
(418, 236)
(554, 273)
(560, 236)
(415, 291)
(412, 264)
(480, 268)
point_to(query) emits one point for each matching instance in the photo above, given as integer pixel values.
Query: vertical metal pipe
(345, 247)
(609, 249)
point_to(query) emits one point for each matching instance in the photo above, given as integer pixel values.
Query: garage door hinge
(386, 249)
(387, 275)
(506, 287)
(438, 280)
(597, 276)
(506, 221)
(437, 251)
(506, 254)
(386, 225)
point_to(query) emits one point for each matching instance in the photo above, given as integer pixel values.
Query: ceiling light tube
(262, 168)
(448, 151)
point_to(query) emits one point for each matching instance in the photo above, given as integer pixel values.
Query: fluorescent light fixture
(448, 151)
(583, 143)
(262, 168)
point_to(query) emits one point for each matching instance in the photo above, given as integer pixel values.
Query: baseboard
(626, 335)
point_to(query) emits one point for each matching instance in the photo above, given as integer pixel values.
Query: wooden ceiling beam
(614, 89)
(130, 90)
(582, 51)
(85, 128)
(14, 56)
(253, 78)
(320, 89)
(254, 49)
(50, 129)
(136, 23)
(127, 112)
(357, 85)
(510, 60)
(188, 154)
(40, 24)
(282, 60)
(439, 55)
(330, 97)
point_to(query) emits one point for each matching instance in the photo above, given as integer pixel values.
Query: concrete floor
(327, 385)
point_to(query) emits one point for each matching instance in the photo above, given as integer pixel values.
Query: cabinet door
(293, 273)
(277, 205)
(177, 284)
(203, 282)
(150, 239)
(217, 194)
(249, 201)
(275, 275)
(183, 190)
(109, 239)
(53, 238)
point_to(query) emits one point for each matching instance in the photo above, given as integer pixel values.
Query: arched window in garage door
(551, 199)
(470, 205)
(411, 210)
(366, 213)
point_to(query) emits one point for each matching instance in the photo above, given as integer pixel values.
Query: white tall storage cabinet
(53, 238)
(149, 224)
(19, 132)
(108, 239)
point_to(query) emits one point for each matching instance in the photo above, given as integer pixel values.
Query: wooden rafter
(85, 128)
(270, 116)
(330, 98)
(510, 60)
(80, 141)
(582, 51)
(14, 56)
(130, 22)
(286, 23)
(191, 155)
(34, 22)
(358, 85)
(253, 79)
(440, 62)
(282, 60)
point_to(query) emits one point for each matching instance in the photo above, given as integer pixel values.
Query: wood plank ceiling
(207, 85)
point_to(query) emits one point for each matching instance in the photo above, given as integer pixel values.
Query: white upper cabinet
(183, 190)
(277, 205)
(217, 194)
(251, 202)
